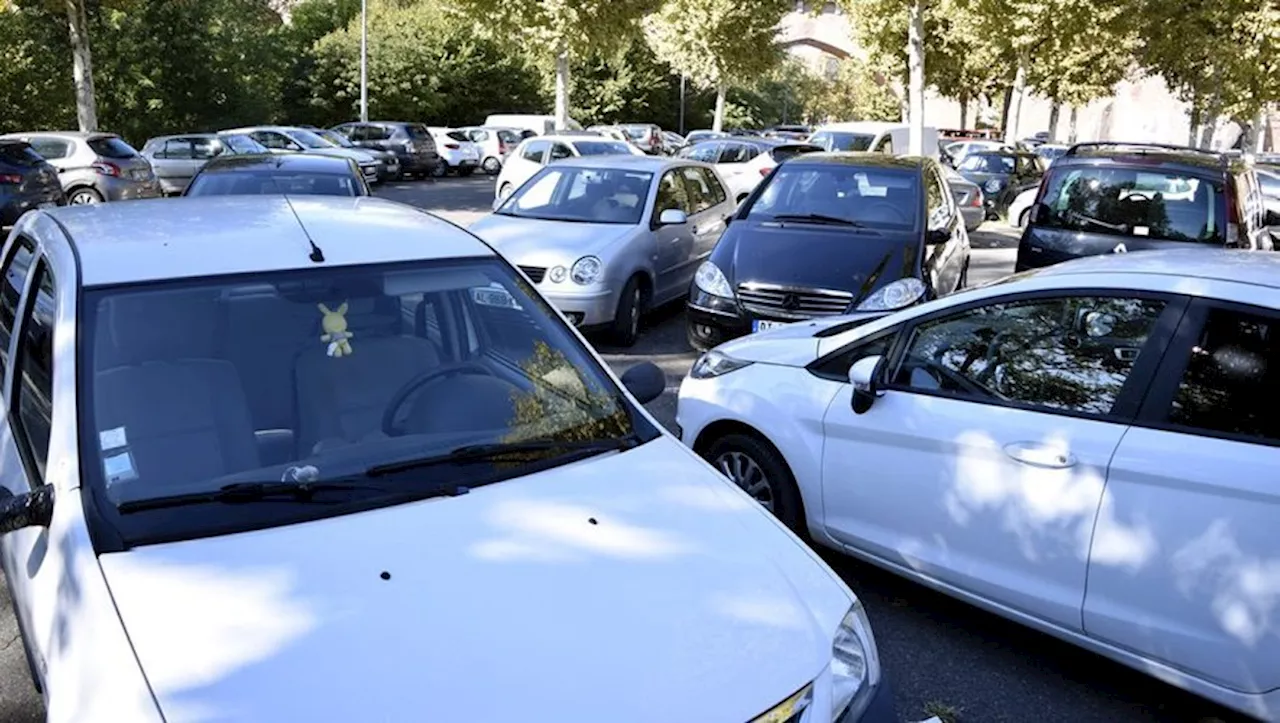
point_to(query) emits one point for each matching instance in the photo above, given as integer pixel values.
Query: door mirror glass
(937, 236)
(646, 382)
(30, 509)
(672, 217)
(1272, 220)
(862, 375)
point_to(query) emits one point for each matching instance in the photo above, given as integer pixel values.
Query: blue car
(27, 181)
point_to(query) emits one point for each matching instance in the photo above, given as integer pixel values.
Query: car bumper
(419, 162)
(973, 216)
(588, 310)
(713, 320)
(458, 160)
(121, 189)
(881, 708)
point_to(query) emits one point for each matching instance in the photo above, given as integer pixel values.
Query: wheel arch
(724, 427)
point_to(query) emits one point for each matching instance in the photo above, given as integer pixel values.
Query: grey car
(412, 142)
(388, 162)
(969, 198)
(605, 238)
(291, 139)
(177, 159)
(94, 167)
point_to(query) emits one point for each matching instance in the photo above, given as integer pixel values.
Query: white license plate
(765, 325)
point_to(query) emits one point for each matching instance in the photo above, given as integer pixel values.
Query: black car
(295, 174)
(412, 142)
(27, 181)
(1002, 175)
(827, 234)
(1102, 198)
(388, 161)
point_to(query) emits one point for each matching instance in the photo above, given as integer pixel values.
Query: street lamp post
(364, 61)
(682, 104)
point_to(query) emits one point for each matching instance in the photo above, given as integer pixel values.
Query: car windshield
(243, 144)
(988, 163)
(111, 147)
(1146, 202)
(355, 375)
(850, 141)
(590, 195)
(308, 139)
(244, 182)
(336, 139)
(872, 197)
(602, 148)
(417, 132)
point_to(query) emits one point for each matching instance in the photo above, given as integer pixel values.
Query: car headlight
(992, 186)
(586, 270)
(897, 295)
(714, 364)
(558, 274)
(855, 665)
(711, 279)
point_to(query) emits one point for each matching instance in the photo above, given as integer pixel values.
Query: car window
(19, 154)
(836, 366)
(272, 182)
(111, 147)
(271, 139)
(479, 136)
(1071, 354)
(885, 145)
(595, 195)
(870, 196)
(33, 372)
(202, 149)
(535, 151)
(936, 200)
(733, 153)
(1231, 380)
(718, 194)
(559, 151)
(705, 152)
(1270, 184)
(671, 194)
(700, 196)
(601, 148)
(850, 141)
(989, 163)
(242, 144)
(416, 131)
(1129, 201)
(177, 149)
(51, 148)
(15, 277)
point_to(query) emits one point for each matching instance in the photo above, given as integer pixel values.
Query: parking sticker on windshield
(1141, 231)
(110, 439)
(119, 468)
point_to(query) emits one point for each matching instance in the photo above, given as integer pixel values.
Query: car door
(1186, 570)
(707, 222)
(175, 164)
(673, 243)
(943, 262)
(981, 465)
(521, 166)
(730, 160)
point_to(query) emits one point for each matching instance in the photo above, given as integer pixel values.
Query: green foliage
(717, 42)
(858, 92)
(553, 26)
(616, 84)
(35, 77)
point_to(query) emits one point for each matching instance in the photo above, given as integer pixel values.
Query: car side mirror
(29, 509)
(645, 381)
(862, 375)
(937, 236)
(672, 217)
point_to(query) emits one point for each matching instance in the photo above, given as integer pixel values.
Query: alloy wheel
(745, 473)
(83, 198)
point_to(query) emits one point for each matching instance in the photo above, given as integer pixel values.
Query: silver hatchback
(95, 167)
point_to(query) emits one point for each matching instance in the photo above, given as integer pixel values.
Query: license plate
(765, 325)
(47, 204)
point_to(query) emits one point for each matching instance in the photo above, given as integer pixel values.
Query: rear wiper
(497, 451)
(246, 492)
(817, 218)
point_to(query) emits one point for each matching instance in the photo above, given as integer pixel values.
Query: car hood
(793, 345)
(589, 592)
(355, 155)
(812, 256)
(536, 242)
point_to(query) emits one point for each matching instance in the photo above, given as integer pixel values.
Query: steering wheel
(899, 216)
(389, 426)
(1137, 196)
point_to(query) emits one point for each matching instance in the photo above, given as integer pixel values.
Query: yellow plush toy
(334, 324)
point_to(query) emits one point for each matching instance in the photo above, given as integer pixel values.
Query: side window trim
(10, 253)
(40, 266)
(814, 367)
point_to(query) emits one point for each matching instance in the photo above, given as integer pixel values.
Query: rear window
(782, 153)
(112, 147)
(262, 183)
(458, 136)
(851, 141)
(601, 148)
(637, 132)
(508, 137)
(417, 132)
(1150, 203)
(988, 163)
(19, 154)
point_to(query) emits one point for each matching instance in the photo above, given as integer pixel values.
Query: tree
(625, 82)
(34, 87)
(561, 29)
(858, 91)
(718, 42)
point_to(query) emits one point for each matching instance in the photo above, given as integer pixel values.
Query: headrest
(1238, 364)
(157, 326)
(379, 315)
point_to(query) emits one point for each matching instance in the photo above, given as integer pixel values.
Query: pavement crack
(11, 641)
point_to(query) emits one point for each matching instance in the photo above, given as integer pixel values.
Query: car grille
(788, 302)
(535, 273)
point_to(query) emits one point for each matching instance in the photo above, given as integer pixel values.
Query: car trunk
(114, 153)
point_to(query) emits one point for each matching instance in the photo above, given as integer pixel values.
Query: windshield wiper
(817, 218)
(240, 492)
(1081, 217)
(475, 453)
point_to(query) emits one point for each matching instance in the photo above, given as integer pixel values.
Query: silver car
(290, 139)
(177, 159)
(606, 238)
(94, 167)
(969, 198)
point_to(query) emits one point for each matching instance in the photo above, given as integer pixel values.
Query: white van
(540, 124)
(878, 136)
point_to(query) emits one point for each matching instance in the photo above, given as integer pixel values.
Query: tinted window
(1071, 354)
(849, 141)
(19, 154)
(111, 147)
(51, 147)
(871, 196)
(1134, 202)
(705, 152)
(988, 163)
(735, 153)
(33, 374)
(782, 153)
(596, 195)
(671, 194)
(718, 194)
(886, 145)
(258, 183)
(15, 276)
(700, 195)
(1231, 381)
(177, 149)
(559, 151)
(415, 131)
(509, 137)
(534, 151)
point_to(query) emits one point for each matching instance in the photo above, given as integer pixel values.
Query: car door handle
(1039, 455)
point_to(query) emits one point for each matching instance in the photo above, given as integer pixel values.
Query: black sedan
(827, 234)
(1002, 175)
(27, 181)
(295, 174)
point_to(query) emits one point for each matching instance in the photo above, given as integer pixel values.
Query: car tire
(626, 321)
(439, 170)
(1024, 218)
(492, 166)
(759, 470)
(505, 191)
(742, 198)
(83, 197)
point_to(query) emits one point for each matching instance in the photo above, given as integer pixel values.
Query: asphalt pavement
(942, 657)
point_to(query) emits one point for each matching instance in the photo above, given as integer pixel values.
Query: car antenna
(316, 254)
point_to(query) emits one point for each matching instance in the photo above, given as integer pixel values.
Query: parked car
(203, 485)
(673, 141)
(411, 142)
(968, 197)
(94, 167)
(876, 136)
(388, 162)
(1101, 198)
(789, 132)
(533, 153)
(606, 238)
(1002, 175)
(1088, 449)
(289, 139)
(1020, 207)
(177, 159)
(696, 136)
(828, 234)
(1050, 152)
(957, 150)
(646, 136)
(1269, 186)
(27, 181)
(494, 145)
(298, 174)
(459, 154)
(533, 123)
(745, 162)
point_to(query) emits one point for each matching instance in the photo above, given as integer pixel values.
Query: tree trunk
(1072, 125)
(915, 79)
(1055, 111)
(82, 65)
(964, 112)
(1259, 133)
(722, 90)
(562, 89)
(1194, 119)
(1210, 121)
(1004, 111)
(1018, 90)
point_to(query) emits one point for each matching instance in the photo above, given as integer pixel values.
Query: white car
(745, 162)
(494, 145)
(533, 153)
(1089, 449)
(321, 459)
(1020, 208)
(959, 149)
(459, 153)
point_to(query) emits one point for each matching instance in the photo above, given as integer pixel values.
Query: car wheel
(84, 197)
(505, 190)
(626, 322)
(492, 166)
(439, 170)
(756, 467)
(742, 198)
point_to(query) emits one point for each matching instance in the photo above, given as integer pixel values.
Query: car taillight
(502, 148)
(766, 171)
(10, 178)
(106, 169)
(976, 200)
(452, 146)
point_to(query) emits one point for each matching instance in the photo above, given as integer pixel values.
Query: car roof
(628, 162)
(160, 239)
(1138, 154)
(858, 158)
(189, 135)
(251, 129)
(864, 127)
(283, 161)
(1193, 264)
(76, 135)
